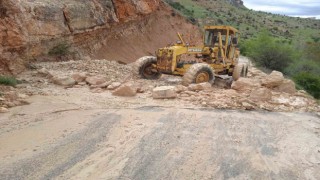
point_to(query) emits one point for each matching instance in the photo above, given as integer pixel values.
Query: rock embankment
(47, 30)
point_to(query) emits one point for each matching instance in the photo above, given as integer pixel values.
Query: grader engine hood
(166, 60)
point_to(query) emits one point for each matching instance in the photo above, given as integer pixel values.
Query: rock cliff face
(29, 29)
(237, 3)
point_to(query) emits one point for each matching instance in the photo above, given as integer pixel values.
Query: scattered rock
(11, 96)
(45, 73)
(96, 80)
(22, 96)
(274, 79)
(79, 77)
(174, 80)
(199, 87)
(3, 110)
(180, 88)
(126, 90)
(245, 84)
(9, 104)
(164, 92)
(261, 94)
(114, 85)
(287, 86)
(254, 72)
(248, 106)
(64, 81)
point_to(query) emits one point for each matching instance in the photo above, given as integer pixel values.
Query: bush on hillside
(60, 50)
(310, 82)
(8, 81)
(267, 53)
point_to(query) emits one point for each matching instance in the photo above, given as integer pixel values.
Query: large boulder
(261, 94)
(127, 90)
(245, 84)
(64, 81)
(164, 92)
(96, 80)
(200, 86)
(287, 86)
(274, 79)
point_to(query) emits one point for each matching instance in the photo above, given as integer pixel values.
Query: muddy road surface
(151, 142)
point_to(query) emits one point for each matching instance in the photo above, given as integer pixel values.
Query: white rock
(64, 81)
(274, 79)
(96, 80)
(180, 88)
(114, 85)
(200, 86)
(245, 84)
(287, 86)
(164, 92)
(44, 72)
(261, 94)
(126, 90)
(79, 77)
(23, 96)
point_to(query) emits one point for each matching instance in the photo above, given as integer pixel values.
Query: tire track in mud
(69, 152)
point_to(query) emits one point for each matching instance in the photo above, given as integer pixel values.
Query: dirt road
(65, 141)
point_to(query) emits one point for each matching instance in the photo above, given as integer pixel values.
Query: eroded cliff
(110, 29)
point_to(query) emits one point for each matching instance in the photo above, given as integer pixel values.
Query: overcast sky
(302, 8)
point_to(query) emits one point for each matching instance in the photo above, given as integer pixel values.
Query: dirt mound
(143, 38)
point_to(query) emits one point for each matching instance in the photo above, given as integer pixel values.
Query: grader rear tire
(198, 73)
(142, 68)
(238, 72)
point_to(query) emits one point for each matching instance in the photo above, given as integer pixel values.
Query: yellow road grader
(218, 55)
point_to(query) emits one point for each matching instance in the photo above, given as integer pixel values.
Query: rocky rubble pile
(10, 97)
(260, 91)
(270, 92)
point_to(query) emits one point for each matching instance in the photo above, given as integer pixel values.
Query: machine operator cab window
(211, 38)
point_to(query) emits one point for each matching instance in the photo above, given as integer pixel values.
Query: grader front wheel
(143, 68)
(198, 73)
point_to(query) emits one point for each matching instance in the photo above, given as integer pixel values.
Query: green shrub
(9, 81)
(267, 53)
(309, 82)
(60, 50)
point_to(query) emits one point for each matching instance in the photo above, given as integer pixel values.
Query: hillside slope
(73, 29)
(249, 22)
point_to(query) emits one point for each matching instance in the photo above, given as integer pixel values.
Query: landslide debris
(112, 83)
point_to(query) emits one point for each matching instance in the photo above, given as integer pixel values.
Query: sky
(300, 8)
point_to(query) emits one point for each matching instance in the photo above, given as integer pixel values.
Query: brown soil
(144, 37)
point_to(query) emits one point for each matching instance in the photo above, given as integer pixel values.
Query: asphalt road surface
(160, 143)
